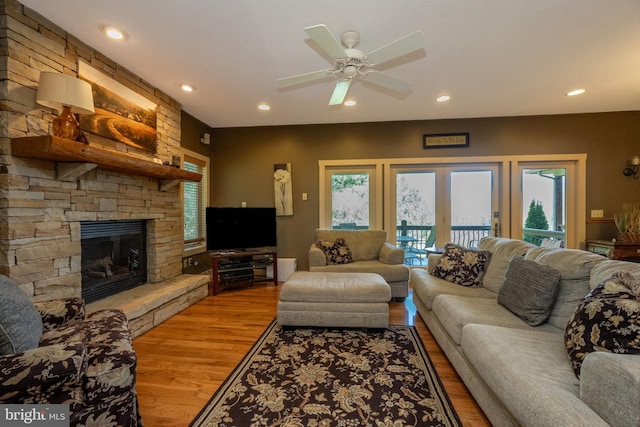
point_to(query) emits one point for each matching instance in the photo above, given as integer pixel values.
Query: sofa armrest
(432, 261)
(60, 313)
(610, 385)
(317, 258)
(48, 374)
(390, 254)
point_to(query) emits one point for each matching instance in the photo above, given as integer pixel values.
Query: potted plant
(628, 222)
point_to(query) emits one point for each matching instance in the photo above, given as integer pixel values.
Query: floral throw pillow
(462, 266)
(336, 252)
(608, 319)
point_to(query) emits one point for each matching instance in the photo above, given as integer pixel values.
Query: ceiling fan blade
(323, 37)
(303, 78)
(340, 92)
(407, 44)
(385, 80)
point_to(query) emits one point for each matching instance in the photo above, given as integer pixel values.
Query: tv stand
(232, 269)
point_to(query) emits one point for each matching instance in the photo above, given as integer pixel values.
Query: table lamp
(73, 95)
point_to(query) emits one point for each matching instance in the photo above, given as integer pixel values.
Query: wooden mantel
(79, 158)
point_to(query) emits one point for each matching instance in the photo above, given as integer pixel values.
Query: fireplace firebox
(114, 257)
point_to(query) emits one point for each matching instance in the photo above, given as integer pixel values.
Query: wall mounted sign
(445, 140)
(120, 113)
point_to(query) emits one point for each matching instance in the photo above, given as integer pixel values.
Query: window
(349, 196)
(463, 198)
(195, 202)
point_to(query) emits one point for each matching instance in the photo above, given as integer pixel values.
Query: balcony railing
(416, 238)
(536, 236)
(424, 236)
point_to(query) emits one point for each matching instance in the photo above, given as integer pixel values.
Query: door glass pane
(470, 207)
(350, 200)
(415, 214)
(544, 206)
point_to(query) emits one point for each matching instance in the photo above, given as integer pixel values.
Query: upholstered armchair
(51, 353)
(361, 251)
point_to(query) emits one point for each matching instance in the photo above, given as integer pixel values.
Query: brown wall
(192, 131)
(243, 158)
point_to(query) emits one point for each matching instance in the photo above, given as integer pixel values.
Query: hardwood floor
(185, 359)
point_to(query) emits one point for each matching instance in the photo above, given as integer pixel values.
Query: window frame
(204, 162)
(508, 185)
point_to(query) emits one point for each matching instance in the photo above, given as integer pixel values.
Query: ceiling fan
(352, 63)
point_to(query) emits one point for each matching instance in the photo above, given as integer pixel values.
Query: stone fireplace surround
(41, 211)
(45, 243)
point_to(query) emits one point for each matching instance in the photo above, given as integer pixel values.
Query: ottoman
(355, 300)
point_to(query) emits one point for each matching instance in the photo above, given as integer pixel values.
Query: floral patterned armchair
(85, 362)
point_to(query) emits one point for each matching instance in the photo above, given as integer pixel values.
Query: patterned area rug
(322, 377)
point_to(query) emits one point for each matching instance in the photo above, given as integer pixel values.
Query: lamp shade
(56, 90)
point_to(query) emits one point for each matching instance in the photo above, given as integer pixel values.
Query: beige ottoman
(355, 300)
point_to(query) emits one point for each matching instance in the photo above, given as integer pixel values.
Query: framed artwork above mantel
(121, 114)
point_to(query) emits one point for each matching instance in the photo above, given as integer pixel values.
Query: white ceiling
(494, 57)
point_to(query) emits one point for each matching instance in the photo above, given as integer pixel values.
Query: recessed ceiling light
(350, 103)
(443, 98)
(576, 92)
(113, 32)
(187, 87)
(264, 107)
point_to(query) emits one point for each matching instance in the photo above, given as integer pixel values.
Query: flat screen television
(230, 229)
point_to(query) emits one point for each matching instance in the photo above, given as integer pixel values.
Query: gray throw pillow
(529, 290)
(20, 321)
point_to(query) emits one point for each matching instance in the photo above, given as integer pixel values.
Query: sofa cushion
(427, 287)
(575, 268)
(336, 252)
(20, 321)
(528, 372)
(606, 269)
(364, 244)
(607, 320)
(530, 290)
(462, 266)
(501, 250)
(455, 312)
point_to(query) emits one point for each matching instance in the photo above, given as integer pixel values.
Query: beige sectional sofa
(521, 375)
(371, 253)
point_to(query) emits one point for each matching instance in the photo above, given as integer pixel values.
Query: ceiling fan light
(350, 71)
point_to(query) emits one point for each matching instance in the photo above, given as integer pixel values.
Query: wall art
(283, 189)
(120, 113)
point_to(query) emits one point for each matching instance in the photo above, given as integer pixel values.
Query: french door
(545, 200)
(435, 204)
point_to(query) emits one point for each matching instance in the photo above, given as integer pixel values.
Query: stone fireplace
(45, 201)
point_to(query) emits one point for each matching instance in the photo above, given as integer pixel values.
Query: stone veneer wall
(39, 215)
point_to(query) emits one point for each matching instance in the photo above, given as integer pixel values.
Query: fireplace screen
(114, 257)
